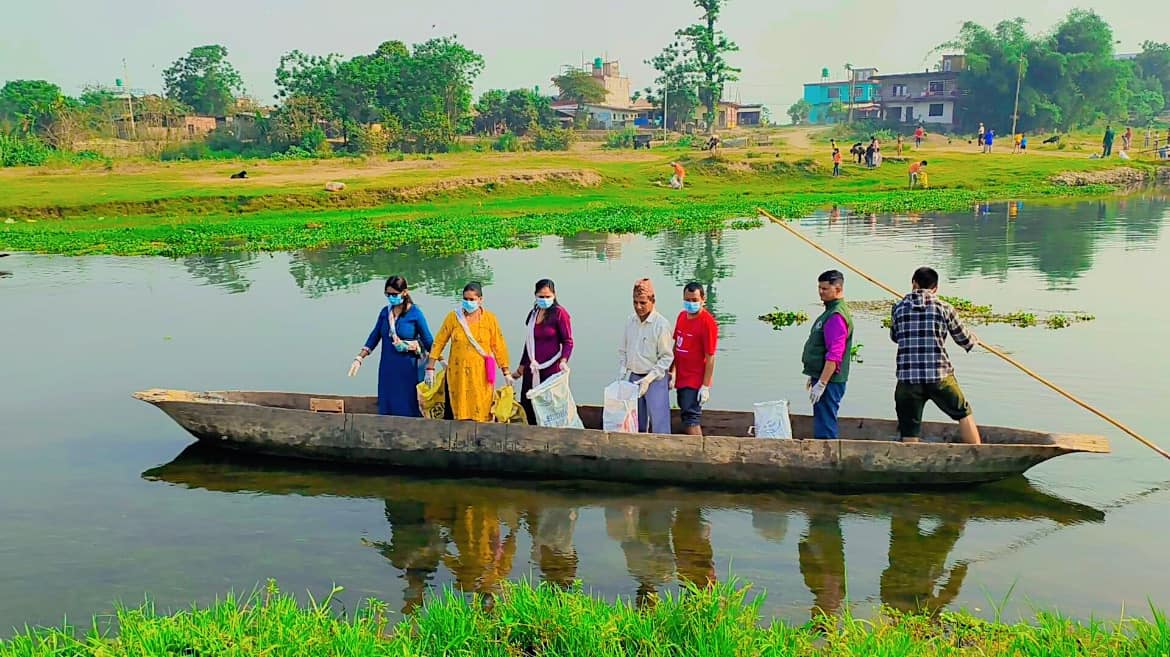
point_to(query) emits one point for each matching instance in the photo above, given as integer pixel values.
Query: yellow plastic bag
(432, 400)
(505, 408)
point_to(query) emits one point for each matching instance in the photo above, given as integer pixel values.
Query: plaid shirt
(920, 324)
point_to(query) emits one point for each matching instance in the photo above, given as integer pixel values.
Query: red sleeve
(712, 333)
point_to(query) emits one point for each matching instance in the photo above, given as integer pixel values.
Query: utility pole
(1016, 111)
(129, 100)
(664, 106)
(852, 79)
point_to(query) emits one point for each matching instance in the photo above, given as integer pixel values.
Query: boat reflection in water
(470, 527)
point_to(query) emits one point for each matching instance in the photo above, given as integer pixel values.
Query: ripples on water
(88, 515)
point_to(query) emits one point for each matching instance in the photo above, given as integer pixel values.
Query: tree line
(1069, 77)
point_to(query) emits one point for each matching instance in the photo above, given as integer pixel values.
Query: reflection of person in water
(822, 561)
(644, 534)
(552, 543)
(771, 525)
(692, 547)
(484, 558)
(918, 562)
(416, 546)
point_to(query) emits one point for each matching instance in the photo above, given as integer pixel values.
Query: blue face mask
(470, 306)
(544, 303)
(692, 307)
(394, 300)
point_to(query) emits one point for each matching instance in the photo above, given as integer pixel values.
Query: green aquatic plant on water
(779, 319)
(524, 619)
(966, 306)
(979, 314)
(855, 353)
(746, 224)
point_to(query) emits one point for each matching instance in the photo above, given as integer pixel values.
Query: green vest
(815, 349)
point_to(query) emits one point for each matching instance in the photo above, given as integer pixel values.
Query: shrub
(622, 139)
(368, 141)
(552, 139)
(507, 143)
(315, 141)
(16, 151)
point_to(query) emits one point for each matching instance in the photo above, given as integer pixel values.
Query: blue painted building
(862, 93)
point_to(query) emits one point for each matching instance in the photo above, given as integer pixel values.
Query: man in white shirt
(646, 353)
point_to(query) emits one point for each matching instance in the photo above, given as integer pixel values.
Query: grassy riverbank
(547, 621)
(468, 201)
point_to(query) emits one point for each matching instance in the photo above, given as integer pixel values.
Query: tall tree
(710, 46)
(579, 87)
(205, 80)
(1092, 76)
(799, 111)
(28, 103)
(1153, 64)
(490, 111)
(678, 82)
(442, 73)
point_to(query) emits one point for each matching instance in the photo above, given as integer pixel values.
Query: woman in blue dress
(404, 340)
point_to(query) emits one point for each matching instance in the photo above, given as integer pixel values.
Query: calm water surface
(102, 498)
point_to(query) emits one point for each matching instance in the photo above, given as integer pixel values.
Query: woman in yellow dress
(477, 350)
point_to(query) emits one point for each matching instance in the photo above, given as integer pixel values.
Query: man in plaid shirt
(920, 325)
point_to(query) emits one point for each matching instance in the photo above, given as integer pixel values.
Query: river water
(103, 499)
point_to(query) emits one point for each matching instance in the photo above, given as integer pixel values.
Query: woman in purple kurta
(548, 332)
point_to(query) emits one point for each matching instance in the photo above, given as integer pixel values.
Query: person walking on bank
(1107, 141)
(826, 354)
(920, 323)
(402, 330)
(548, 342)
(695, 337)
(646, 354)
(477, 349)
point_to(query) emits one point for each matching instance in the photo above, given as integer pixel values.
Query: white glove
(353, 368)
(815, 392)
(429, 378)
(623, 374)
(644, 384)
(565, 368)
(704, 395)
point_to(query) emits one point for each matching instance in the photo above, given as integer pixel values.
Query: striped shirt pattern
(920, 325)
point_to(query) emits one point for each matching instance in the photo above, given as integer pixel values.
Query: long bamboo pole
(1011, 361)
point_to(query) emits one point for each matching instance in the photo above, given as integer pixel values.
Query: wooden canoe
(300, 425)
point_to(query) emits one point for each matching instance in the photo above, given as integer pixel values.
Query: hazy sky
(783, 44)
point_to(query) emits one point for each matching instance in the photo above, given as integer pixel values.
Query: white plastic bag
(620, 411)
(772, 420)
(553, 404)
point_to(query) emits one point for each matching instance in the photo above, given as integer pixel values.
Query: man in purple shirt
(826, 354)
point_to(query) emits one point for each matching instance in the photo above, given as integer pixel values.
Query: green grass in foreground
(527, 621)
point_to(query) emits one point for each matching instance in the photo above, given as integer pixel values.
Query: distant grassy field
(473, 200)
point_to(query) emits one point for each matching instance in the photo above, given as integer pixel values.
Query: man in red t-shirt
(695, 335)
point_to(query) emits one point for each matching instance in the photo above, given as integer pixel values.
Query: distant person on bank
(826, 354)
(920, 323)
